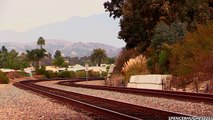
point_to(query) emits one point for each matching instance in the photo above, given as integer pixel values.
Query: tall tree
(98, 56)
(4, 49)
(114, 8)
(3, 55)
(35, 55)
(59, 60)
(211, 8)
(138, 18)
(57, 54)
(31, 56)
(11, 60)
(40, 54)
(41, 42)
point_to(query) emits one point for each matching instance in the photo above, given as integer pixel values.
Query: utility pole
(86, 70)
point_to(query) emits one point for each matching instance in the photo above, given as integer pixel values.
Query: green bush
(66, 74)
(93, 74)
(51, 74)
(104, 74)
(97, 74)
(158, 61)
(40, 71)
(3, 78)
(80, 73)
(163, 61)
(71, 74)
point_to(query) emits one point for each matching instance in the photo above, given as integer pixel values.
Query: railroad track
(108, 108)
(184, 96)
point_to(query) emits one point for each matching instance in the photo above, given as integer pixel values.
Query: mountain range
(96, 28)
(67, 48)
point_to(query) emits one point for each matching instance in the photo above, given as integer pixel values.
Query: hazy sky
(22, 15)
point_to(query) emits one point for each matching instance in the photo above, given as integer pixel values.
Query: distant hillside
(73, 49)
(96, 28)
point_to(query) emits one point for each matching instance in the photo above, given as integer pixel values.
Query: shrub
(66, 74)
(40, 71)
(72, 74)
(51, 74)
(181, 82)
(123, 57)
(80, 73)
(158, 62)
(104, 74)
(23, 73)
(163, 61)
(3, 78)
(93, 73)
(115, 80)
(134, 66)
(192, 54)
(97, 74)
(193, 57)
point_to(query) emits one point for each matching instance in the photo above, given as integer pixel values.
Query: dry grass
(115, 80)
(135, 66)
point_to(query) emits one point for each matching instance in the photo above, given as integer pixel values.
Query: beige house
(51, 68)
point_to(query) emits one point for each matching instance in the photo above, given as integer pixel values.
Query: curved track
(184, 96)
(108, 108)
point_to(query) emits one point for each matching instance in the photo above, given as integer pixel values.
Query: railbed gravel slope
(191, 108)
(18, 104)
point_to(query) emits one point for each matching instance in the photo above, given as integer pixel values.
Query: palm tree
(31, 56)
(36, 55)
(40, 54)
(41, 42)
(98, 56)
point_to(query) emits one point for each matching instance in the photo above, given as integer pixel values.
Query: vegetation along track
(108, 108)
(184, 96)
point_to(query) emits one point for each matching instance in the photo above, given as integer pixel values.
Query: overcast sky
(22, 15)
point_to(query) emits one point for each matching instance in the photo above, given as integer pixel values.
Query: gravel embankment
(197, 109)
(17, 104)
(95, 82)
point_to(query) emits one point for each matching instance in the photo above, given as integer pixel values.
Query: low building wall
(148, 81)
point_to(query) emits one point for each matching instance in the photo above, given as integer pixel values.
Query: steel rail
(79, 102)
(185, 96)
(108, 110)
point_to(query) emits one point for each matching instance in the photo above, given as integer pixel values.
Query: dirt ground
(21, 79)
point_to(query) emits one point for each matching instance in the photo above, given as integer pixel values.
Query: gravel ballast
(191, 108)
(18, 104)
